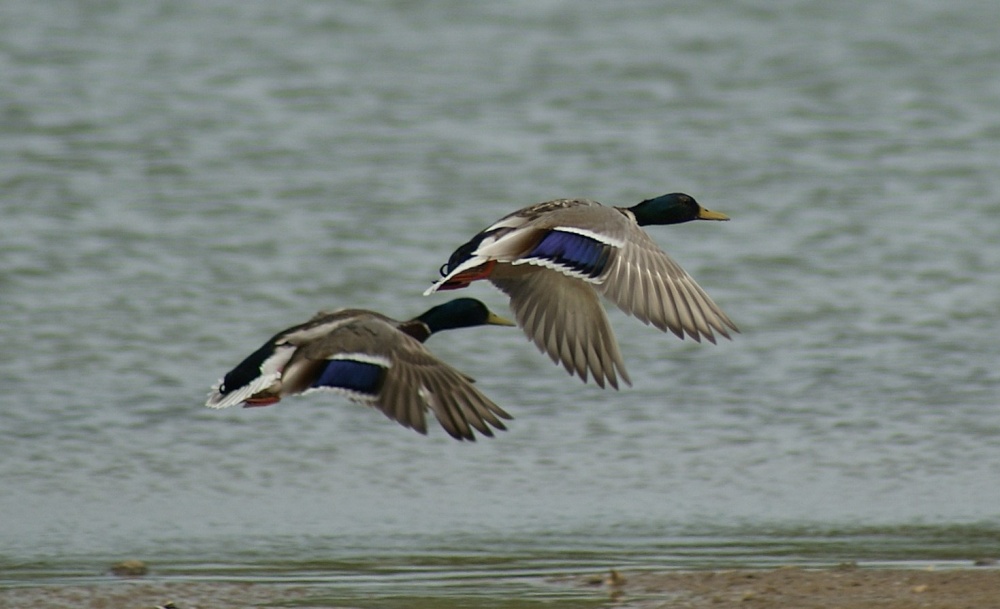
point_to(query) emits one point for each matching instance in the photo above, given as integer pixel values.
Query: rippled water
(183, 179)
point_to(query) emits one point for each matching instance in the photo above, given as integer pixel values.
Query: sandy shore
(785, 588)
(796, 588)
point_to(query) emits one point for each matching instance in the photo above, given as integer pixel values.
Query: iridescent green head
(461, 313)
(673, 208)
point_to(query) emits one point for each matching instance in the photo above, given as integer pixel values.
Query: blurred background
(182, 179)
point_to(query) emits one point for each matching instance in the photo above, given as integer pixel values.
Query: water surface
(181, 180)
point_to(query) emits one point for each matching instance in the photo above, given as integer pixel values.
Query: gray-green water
(181, 179)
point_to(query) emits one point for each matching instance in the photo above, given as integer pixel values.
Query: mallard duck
(374, 360)
(554, 258)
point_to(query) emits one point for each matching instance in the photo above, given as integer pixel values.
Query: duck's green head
(673, 208)
(461, 313)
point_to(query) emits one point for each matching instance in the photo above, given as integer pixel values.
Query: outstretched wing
(565, 319)
(370, 361)
(645, 282)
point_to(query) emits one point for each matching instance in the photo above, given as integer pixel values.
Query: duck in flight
(372, 359)
(554, 259)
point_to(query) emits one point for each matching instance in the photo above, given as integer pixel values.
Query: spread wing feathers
(370, 361)
(643, 281)
(565, 319)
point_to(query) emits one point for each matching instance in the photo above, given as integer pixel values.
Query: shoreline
(843, 587)
(792, 587)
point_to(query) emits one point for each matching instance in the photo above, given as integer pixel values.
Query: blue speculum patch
(361, 377)
(577, 252)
